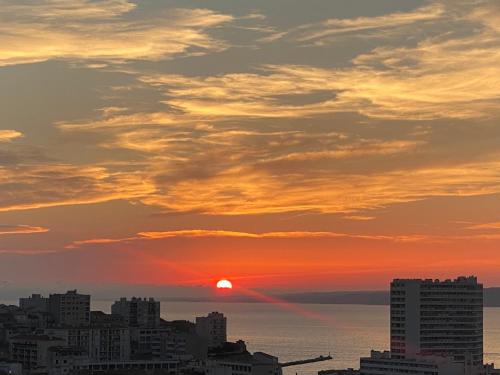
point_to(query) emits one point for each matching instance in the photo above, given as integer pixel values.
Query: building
(212, 328)
(149, 342)
(11, 368)
(73, 337)
(349, 371)
(489, 369)
(243, 363)
(34, 303)
(32, 351)
(382, 363)
(65, 360)
(100, 318)
(70, 309)
(138, 312)
(185, 342)
(108, 344)
(234, 359)
(101, 343)
(433, 317)
(173, 340)
(170, 367)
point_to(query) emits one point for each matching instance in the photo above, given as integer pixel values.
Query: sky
(285, 144)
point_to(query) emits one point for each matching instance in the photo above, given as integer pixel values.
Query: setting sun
(224, 284)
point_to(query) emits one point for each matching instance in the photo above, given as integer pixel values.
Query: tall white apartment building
(440, 318)
(213, 328)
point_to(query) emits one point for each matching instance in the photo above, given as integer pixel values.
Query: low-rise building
(235, 359)
(32, 351)
(66, 360)
(11, 368)
(489, 369)
(34, 303)
(72, 336)
(170, 367)
(381, 363)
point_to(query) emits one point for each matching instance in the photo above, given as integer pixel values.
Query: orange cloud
(21, 229)
(203, 233)
(240, 190)
(9, 135)
(64, 184)
(56, 29)
(320, 32)
(485, 226)
(196, 162)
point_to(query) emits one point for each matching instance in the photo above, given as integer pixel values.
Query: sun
(224, 284)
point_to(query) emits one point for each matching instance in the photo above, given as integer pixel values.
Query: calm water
(345, 331)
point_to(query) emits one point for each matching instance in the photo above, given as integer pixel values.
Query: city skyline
(282, 145)
(436, 328)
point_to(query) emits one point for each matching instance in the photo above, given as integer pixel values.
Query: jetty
(321, 358)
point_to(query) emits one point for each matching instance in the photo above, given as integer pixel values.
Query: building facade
(109, 344)
(34, 303)
(212, 328)
(382, 363)
(244, 364)
(72, 337)
(138, 312)
(70, 309)
(433, 317)
(32, 351)
(11, 368)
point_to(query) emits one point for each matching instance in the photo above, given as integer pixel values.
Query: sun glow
(224, 284)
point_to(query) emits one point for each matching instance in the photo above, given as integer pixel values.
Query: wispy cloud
(320, 32)
(20, 229)
(35, 186)
(363, 148)
(202, 233)
(359, 217)
(482, 226)
(419, 83)
(239, 191)
(9, 135)
(245, 142)
(34, 31)
(76, 9)
(430, 78)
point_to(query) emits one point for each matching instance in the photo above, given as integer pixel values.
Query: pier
(321, 358)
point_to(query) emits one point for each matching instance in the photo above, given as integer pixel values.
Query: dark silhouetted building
(212, 328)
(138, 312)
(34, 303)
(70, 309)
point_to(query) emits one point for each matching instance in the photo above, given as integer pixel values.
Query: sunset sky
(283, 144)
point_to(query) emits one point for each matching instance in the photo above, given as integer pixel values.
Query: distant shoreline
(369, 298)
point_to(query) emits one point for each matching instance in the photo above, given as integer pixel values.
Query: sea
(294, 332)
